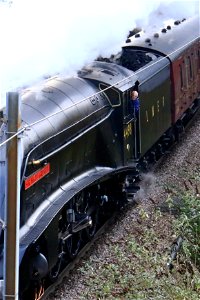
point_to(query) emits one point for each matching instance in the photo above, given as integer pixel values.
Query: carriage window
(190, 67)
(181, 75)
(196, 62)
(186, 73)
(112, 95)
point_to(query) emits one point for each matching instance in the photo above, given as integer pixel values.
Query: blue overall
(134, 106)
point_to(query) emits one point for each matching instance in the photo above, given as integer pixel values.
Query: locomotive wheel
(55, 271)
(86, 203)
(73, 244)
(61, 261)
(90, 231)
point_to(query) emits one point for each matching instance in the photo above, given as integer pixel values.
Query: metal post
(12, 206)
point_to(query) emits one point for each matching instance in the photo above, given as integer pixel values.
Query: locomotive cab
(131, 128)
(116, 82)
(126, 122)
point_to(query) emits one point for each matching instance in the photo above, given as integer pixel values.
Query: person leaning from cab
(134, 104)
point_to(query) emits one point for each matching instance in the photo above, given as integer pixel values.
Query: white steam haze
(45, 37)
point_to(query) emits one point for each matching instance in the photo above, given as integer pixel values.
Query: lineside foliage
(136, 265)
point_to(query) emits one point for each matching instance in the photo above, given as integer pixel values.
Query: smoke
(148, 183)
(44, 37)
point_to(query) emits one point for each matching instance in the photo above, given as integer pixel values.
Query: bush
(188, 225)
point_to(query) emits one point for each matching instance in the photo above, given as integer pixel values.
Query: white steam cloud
(45, 37)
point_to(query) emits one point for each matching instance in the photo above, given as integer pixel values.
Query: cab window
(111, 94)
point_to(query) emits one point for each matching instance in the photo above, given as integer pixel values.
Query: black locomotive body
(81, 142)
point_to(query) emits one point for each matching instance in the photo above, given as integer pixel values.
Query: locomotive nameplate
(35, 177)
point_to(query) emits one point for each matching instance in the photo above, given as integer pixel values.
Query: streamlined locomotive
(82, 148)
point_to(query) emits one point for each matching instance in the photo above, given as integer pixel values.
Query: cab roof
(110, 74)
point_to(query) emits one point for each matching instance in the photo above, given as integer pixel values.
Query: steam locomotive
(82, 150)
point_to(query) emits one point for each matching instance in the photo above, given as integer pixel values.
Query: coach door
(131, 132)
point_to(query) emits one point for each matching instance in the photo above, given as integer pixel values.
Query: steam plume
(45, 37)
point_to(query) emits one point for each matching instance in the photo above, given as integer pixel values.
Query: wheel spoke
(90, 231)
(55, 271)
(73, 244)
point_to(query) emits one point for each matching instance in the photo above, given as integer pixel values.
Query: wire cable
(95, 94)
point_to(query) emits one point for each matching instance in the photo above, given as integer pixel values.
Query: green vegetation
(136, 265)
(188, 225)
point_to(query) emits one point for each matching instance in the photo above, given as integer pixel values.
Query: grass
(188, 225)
(136, 266)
